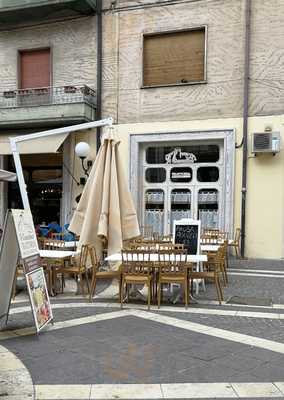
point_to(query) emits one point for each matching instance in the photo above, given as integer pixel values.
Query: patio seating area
(150, 269)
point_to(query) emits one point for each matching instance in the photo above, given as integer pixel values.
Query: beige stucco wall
(222, 95)
(265, 196)
(73, 47)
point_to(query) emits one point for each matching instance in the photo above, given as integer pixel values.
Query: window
(155, 175)
(34, 68)
(208, 174)
(204, 153)
(174, 58)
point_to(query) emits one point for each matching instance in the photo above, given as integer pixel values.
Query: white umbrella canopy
(106, 211)
(6, 176)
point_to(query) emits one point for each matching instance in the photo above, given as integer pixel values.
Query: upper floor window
(174, 58)
(35, 68)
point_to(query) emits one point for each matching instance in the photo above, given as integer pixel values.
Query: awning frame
(68, 129)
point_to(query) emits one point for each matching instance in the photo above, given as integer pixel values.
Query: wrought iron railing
(47, 96)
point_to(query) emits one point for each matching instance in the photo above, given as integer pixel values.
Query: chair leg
(218, 289)
(121, 293)
(81, 284)
(186, 293)
(87, 282)
(92, 288)
(119, 288)
(159, 294)
(237, 251)
(221, 291)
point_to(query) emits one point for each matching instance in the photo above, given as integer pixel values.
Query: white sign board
(9, 253)
(19, 237)
(25, 233)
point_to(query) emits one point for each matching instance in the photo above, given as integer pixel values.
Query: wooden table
(154, 257)
(210, 247)
(62, 244)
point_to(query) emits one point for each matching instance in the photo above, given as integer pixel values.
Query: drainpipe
(245, 123)
(99, 70)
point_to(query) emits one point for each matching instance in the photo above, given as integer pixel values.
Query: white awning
(7, 176)
(48, 144)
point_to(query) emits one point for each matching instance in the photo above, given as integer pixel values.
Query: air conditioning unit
(266, 142)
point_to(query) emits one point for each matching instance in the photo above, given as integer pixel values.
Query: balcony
(14, 13)
(47, 106)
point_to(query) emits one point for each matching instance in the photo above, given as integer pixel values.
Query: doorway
(182, 180)
(183, 175)
(43, 177)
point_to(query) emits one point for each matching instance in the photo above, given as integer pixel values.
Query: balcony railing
(47, 96)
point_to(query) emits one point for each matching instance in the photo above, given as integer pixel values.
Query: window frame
(34, 49)
(164, 32)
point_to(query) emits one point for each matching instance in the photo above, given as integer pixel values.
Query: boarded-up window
(34, 68)
(174, 58)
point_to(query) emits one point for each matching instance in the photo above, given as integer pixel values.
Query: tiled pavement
(97, 351)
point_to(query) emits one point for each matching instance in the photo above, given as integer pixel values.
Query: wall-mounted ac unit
(266, 142)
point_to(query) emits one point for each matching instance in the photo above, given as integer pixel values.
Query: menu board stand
(19, 237)
(187, 232)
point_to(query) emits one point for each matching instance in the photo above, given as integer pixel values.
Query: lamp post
(82, 150)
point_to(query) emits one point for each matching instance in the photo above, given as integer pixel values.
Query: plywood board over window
(174, 58)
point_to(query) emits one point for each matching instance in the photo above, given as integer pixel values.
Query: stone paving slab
(16, 321)
(248, 286)
(130, 350)
(272, 329)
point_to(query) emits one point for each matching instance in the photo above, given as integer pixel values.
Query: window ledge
(174, 85)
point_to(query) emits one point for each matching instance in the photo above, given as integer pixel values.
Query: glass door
(184, 181)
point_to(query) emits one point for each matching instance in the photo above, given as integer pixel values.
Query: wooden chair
(236, 242)
(147, 231)
(212, 269)
(136, 269)
(53, 244)
(78, 269)
(170, 247)
(57, 235)
(19, 272)
(172, 270)
(96, 274)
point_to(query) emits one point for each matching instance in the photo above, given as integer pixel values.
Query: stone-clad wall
(73, 46)
(221, 96)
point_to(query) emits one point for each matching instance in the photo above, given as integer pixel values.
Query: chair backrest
(237, 236)
(52, 244)
(147, 231)
(57, 235)
(217, 259)
(82, 263)
(172, 262)
(136, 261)
(93, 258)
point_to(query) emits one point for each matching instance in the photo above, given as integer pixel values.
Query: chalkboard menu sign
(188, 234)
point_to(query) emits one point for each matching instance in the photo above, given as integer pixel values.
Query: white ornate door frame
(228, 138)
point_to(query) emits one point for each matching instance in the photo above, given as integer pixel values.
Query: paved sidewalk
(98, 351)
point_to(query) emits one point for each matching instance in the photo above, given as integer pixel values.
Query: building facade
(174, 80)
(48, 80)
(162, 105)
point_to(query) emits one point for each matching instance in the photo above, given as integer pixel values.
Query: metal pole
(16, 156)
(245, 124)
(20, 174)
(99, 69)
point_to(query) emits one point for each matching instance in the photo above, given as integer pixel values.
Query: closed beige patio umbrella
(106, 211)
(6, 176)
